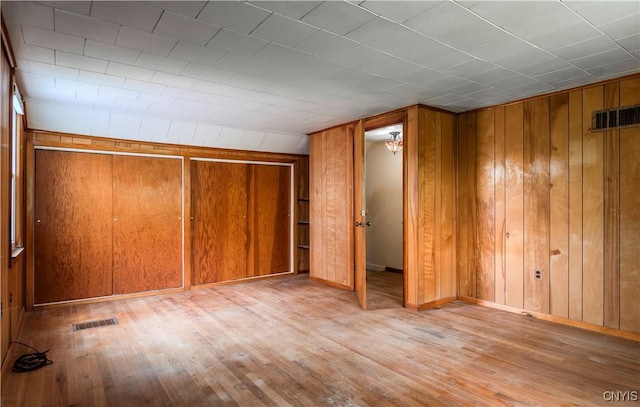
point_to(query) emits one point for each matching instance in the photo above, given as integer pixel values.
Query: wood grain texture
(559, 205)
(536, 204)
(611, 94)
(220, 230)
(593, 210)
(514, 205)
(272, 223)
(575, 205)
(6, 108)
(411, 207)
(499, 200)
(448, 219)
(485, 204)
(331, 205)
(255, 349)
(629, 213)
(73, 227)
(427, 222)
(462, 206)
(359, 202)
(147, 224)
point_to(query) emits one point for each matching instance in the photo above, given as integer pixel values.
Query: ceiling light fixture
(395, 144)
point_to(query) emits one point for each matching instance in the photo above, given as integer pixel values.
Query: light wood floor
(384, 290)
(292, 342)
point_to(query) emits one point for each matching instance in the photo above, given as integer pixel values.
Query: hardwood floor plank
(292, 341)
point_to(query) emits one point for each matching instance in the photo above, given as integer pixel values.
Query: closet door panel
(271, 219)
(147, 219)
(219, 230)
(73, 228)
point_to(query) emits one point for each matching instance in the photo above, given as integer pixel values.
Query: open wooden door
(359, 214)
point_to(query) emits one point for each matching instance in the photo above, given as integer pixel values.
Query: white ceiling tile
(630, 43)
(34, 53)
(80, 62)
(484, 94)
(154, 128)
(55, 113)
(86, 27)
(561, 75)
(111, 52)
(117, 92)
(444, 18)
(156, 99)
(535, 88)
(603, 12)
(53, 40)
(281, 74)
(230, 137)
(127, 13)
(468, 88)
(29, 81)
(125, 123)
(512, 82)
(235, 15)
(364, 57)
(380, 33)
(57, 71)
(92, 119)
(338, 17)
(570, 34)
(280, 55)
(252, 138)
(161, 63)
(205, 73)
(28, 13)
(185, 29)
(145, 41)
(100, 79)
(447, 83)
(505, 48)
(181, 130)
(491, 75)
(74, 6)
(527, 19)
(380, 83)
(546, 66)
(470, 68)
(195, 53)
(594, 45)
(206, 134)
(317, 66)
(131, 106)
(327, 45)
(399, 13)
(143, 86)
(101, 101)
(172, 80)
(241, 64)
(603, 58)
(185, 8)
(76, 86)
(128, 71)
(479, 34)
(524, 57)
(624, 27)
(15, 33)
(395, 68)
(423, 76)
(618, 68)
(236, 43)
(283, 30)
(291, 9)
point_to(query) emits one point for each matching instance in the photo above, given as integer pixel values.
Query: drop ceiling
(259, 75)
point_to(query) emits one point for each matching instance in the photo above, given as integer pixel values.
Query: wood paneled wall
(538, 191)
(430, 239)
(331, 206)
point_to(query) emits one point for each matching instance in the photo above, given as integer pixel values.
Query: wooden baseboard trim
(393, 270)
(108, 298)
(331, 283)
(552, 318)
(431, 304)
(241, 280)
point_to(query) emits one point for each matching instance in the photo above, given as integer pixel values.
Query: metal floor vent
(94, 324)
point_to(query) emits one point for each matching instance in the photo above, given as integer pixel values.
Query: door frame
(370, 123)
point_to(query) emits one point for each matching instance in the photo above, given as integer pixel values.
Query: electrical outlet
(538, 274)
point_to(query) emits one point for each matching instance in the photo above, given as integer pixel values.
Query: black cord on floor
(30, 361)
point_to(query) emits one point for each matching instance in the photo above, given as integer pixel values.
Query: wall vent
(94, 324)
(616, 118)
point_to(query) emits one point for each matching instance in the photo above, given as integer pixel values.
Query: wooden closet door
(219, 230)
(147, 223)
(271, 201)
(72, 231)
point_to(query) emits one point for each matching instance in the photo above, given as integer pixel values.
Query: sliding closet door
(219, 229)
(73, 226)
(271, 198)
(147, 219)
